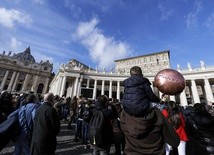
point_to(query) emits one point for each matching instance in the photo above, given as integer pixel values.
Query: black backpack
(175, 120)
(96, 129)
(87, 114)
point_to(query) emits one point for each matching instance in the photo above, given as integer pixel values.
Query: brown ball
(169, 82)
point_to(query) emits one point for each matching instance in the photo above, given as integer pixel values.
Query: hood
(99, 106)
(135, 81)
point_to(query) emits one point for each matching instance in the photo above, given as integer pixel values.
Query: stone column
(110, 89)
(160, 94)
(103, 87)
(183, 99)
(79, 86)
(208, 91)
(4, 80)
(46, 85)
(25, 82)
(35, 83)
(64, 78)
(95, 89)
(15, 82)
(118, 90)
(59, 85)
(76, 86)
(11, 81)
(195, 95)
(88, 83)
(172, 98)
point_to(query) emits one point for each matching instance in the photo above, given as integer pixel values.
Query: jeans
(79, 129)
(85, 128)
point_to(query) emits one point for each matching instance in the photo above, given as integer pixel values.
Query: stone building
(75, 78)
(149, 63)
(20, 73)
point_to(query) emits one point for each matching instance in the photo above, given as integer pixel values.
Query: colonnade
(105, 83)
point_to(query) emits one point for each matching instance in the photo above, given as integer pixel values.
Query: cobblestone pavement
(65, 144)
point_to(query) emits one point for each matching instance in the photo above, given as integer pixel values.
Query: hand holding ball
(169, 82)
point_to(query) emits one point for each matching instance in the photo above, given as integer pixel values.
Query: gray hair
(49, 97)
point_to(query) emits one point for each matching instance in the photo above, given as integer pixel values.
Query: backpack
(87, 114)
(175, 120)
(96, 129)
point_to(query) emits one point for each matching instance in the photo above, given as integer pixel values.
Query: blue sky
(97, 32)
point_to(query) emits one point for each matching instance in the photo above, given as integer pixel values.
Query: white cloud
(41, 2)
(165, 12)
(76, 10)
(191, 19)
(8, 17)
(210, 21)
(102, 49)
(14, 44)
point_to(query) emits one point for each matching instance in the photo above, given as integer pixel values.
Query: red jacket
(181, 129)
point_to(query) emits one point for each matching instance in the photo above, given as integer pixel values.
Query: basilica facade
(20, 73)
(75, 78)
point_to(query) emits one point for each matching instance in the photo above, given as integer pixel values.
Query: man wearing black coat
(46, 128)
(109, 115)
(200, 127)
(145, 128)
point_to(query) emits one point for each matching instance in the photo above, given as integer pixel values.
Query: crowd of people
(140, 124)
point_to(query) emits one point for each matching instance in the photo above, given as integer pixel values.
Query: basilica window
(40, 88)
(22, 75)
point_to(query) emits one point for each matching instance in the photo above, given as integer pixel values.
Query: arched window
(40, 88)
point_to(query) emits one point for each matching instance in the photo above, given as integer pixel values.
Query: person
(147, 134)
(118, 135)
(57, 104)
(79, 119)
(6, 107)
(46, 128)
(200, 127)
(64, 108)
(73, 109)
(26, 116)
(145, 128)
(109, 115)
(138, 94)
(86, 115)
(176, 118)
